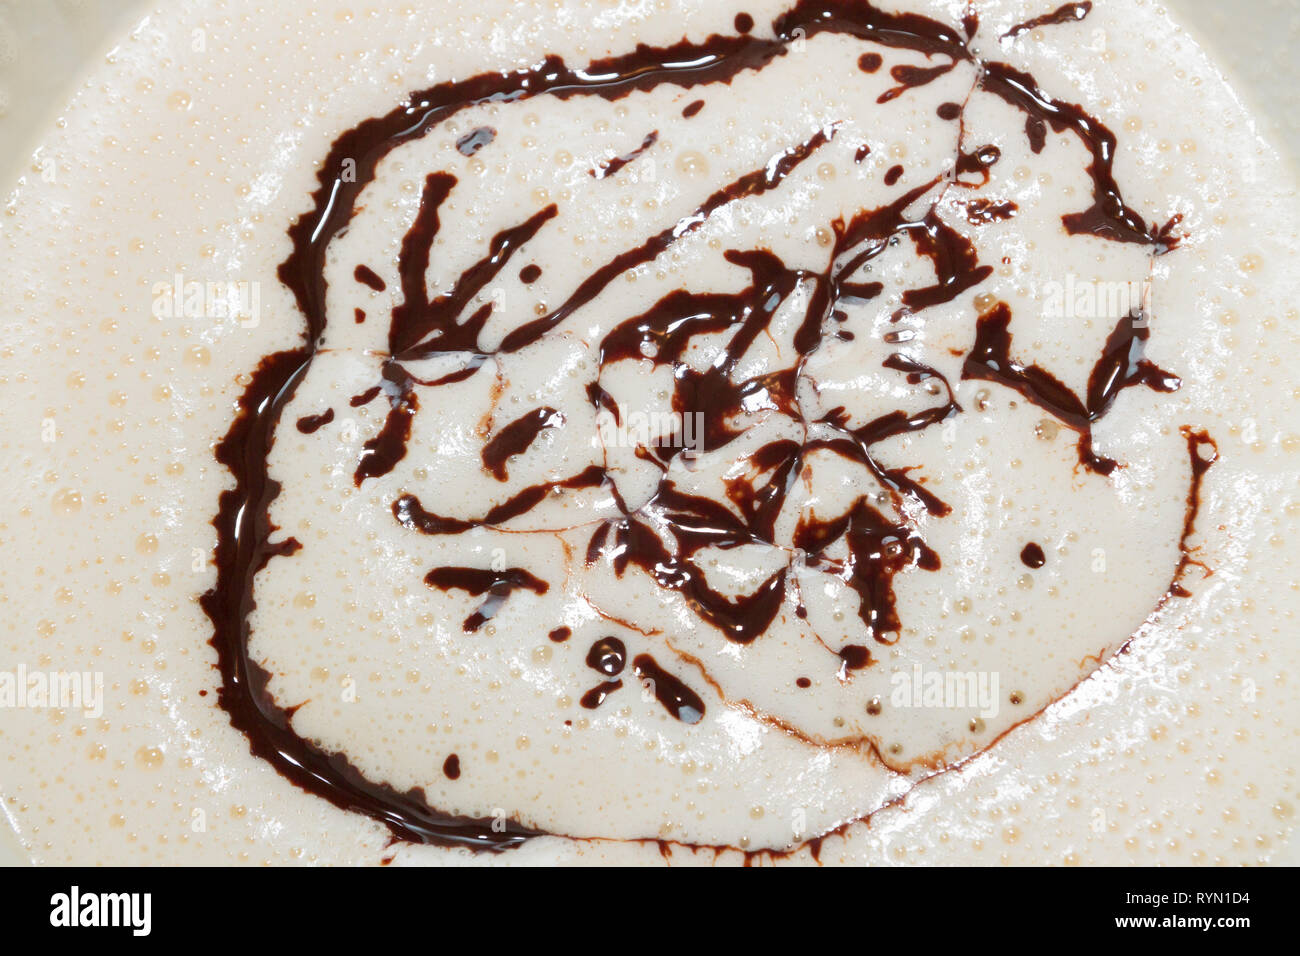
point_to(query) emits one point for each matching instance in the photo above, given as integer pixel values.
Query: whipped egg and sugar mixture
(690, 431)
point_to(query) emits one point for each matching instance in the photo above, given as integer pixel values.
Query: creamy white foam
(1181, 749)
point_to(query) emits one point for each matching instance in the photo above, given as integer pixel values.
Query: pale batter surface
(1128, 680)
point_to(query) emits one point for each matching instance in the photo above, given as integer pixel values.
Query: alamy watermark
(68, 690)
(73, 909)
(1077, 298)
(191, 299)
(952, 690)
(652, 430)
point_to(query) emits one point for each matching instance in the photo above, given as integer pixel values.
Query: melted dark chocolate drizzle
(367, 276)
(1121, 365)
(1063, 14)
(497, 585)
(597, 695)
(422, 327)
(611, 166)
(310, 424)
(1108, 216)
(678, 699)
(514, 439)
(982, 211)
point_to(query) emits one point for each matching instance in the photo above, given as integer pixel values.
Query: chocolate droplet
(1032, 555)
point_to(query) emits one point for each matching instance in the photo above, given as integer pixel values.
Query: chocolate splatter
(308, 424)
(607, 655)
(367, 276)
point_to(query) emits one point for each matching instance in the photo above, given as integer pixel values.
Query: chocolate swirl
(877, 537)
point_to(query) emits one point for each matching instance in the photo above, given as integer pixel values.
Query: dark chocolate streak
(676, 698)
(611, 166)
(497, 585)
(424, 327)
(515, 438)
(597, 695)
(310, 424)
(367, 276)
(1064, 14)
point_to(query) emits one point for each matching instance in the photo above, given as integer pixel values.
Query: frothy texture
(765, 442)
